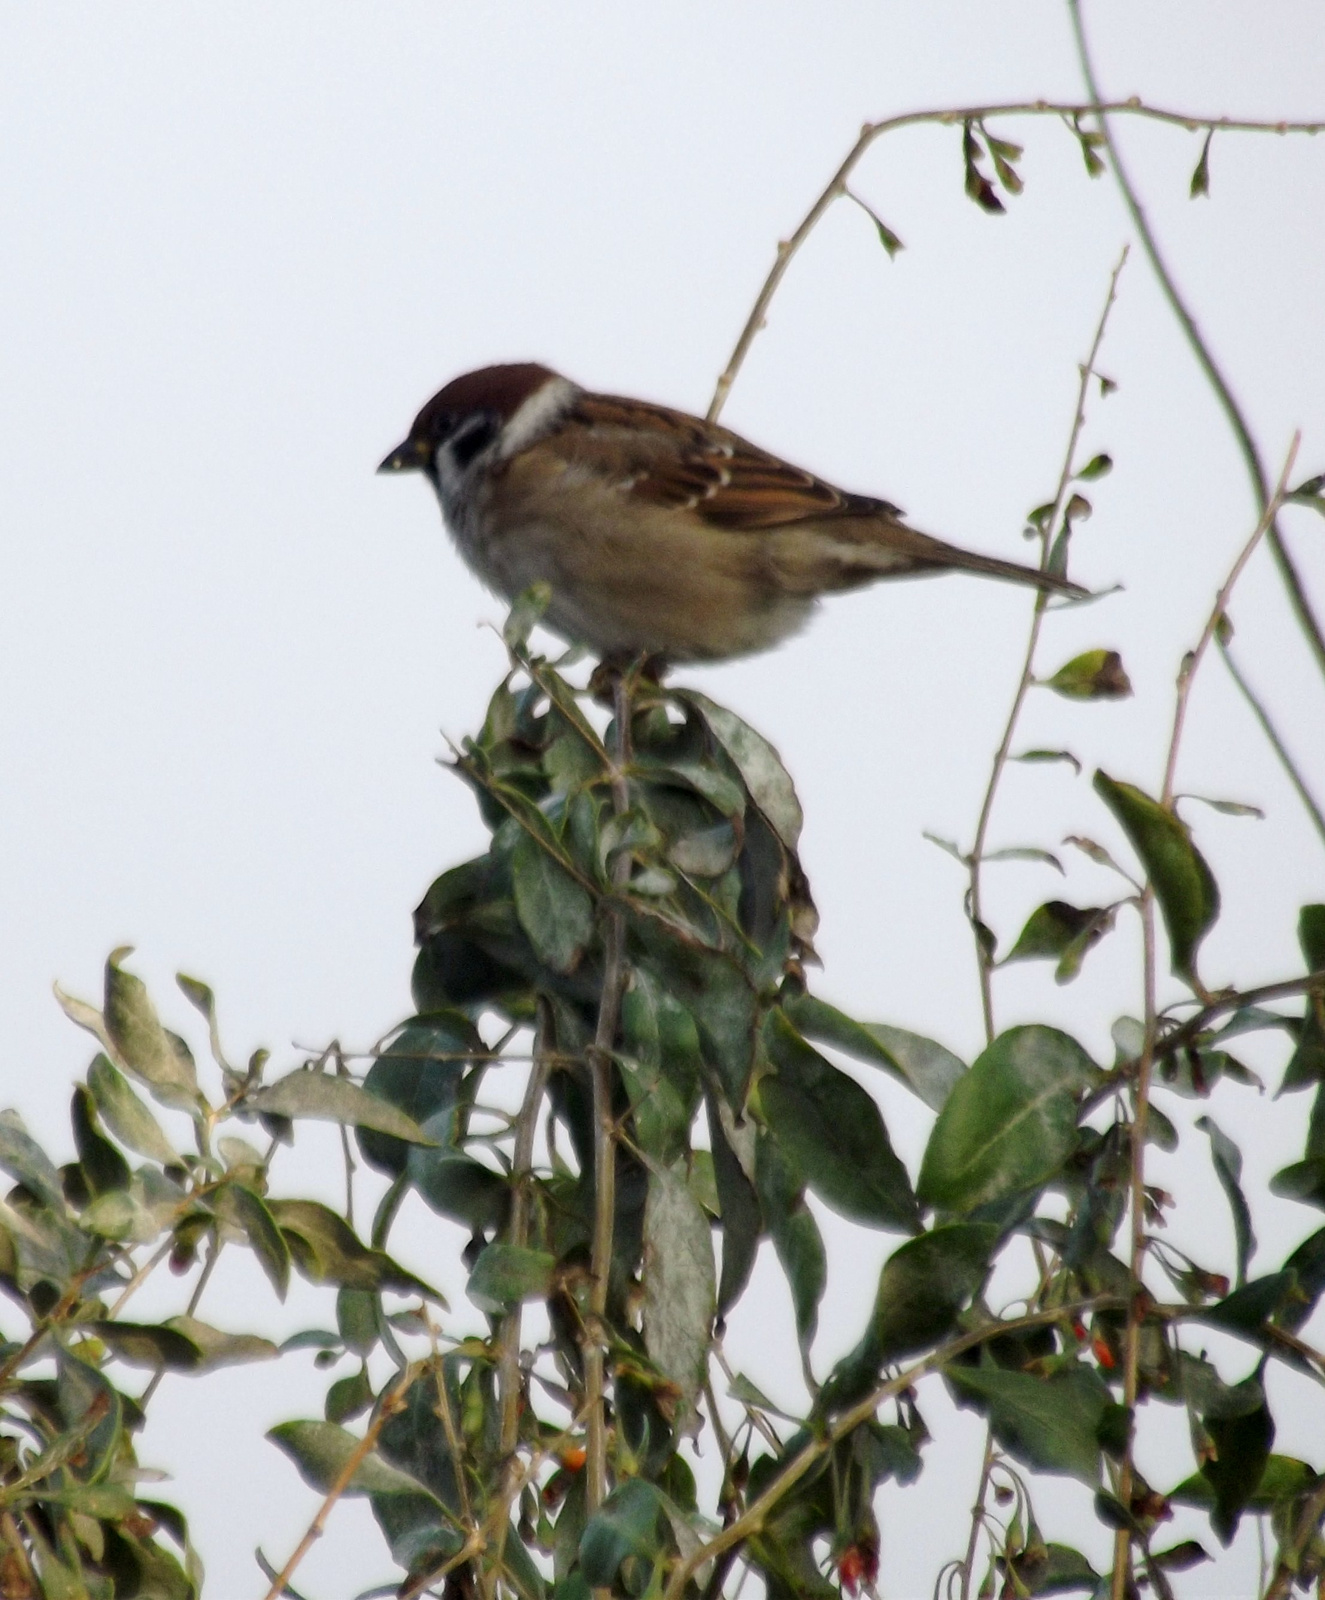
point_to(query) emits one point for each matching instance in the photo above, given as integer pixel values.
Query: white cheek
(450, 477)
(535, 416)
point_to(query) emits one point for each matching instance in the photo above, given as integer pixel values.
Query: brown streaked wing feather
(673, 459)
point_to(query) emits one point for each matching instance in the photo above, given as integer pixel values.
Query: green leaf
(1200, 183)
(680, 1284)
(221, 1349)
(1227, 1159)
(324, 1098)
(739, 1210)
(1187, 892)
(1307, 1264)
(1049, 755)
(925, 1283)
(758, 763)
(420, 1072)
(796, 1237)
(888, 239)
(356, 1318)
(24, 1159)
(627, 1524)
(1051, 1424)
(198, 994)
(1097, 467)
(1009, 1124)
(833, 1132)
(922, 1289)
(926, 1068)
(264, 1236)
(349, 1397)
(506, 1274)
(321, 1451)
(1246, 1311)
(1282, 1479)
(455, 1185)
(1307, 1063)
(1093, 675)
(1181, 1557)
(526, 613)
(159, 1058)
(1237, 1466)
(104, 1168)
(554, 909)
(1063, 933)
(1227, 808)
(141, 1344)
(126, 1116)
(326, 1250)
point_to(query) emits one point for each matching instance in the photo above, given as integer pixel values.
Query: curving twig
(752, 1519)
(1297, 596)
(1191, 664)
(392, 1402)
(836, 188)
(976, 858)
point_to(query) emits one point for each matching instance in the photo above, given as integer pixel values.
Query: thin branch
(1297, 595)
(1268, 728)
(600, 1067)
(140, 1277)
(753, 1517)
(1191, 664)
(836, 187)
(522, 1160)
(977, 1516)
(976, 857)
(477, 1542)
(1122, 1543)
(508, 1365)
(446, 1417)
(391, 1403)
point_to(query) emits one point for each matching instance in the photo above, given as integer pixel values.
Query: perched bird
(657, 533)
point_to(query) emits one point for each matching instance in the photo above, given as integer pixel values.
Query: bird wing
(667, 458)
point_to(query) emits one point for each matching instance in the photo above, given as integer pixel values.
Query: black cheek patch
(475, 435)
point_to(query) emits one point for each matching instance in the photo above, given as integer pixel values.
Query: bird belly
(630, 582)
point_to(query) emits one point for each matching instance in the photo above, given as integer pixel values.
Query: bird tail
(950, 556)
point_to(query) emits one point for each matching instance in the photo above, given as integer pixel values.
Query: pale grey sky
(242, 245)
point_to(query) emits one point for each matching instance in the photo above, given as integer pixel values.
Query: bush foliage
(627, 964)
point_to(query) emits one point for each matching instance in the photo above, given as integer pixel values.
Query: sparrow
(657, 533)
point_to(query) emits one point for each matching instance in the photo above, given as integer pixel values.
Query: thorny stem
(600, 1066)
(976, 857)
(1297, 596)
(752, 1518)
(977, 1516)
(392, 1402)
(836, 188)
(1192, 664)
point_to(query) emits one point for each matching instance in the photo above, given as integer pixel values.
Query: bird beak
(407, 457)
